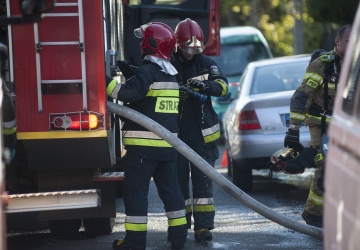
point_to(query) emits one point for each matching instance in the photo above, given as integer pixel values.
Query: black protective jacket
(154, 94)
(198, 122)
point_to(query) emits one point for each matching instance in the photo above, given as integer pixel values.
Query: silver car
(256, 121)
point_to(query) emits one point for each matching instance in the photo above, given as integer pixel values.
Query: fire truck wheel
(98, 226)
(65, 227)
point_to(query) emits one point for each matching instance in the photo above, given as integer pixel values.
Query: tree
(276, 19)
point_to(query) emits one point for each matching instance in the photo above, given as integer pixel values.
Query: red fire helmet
(158, 39)
(189, 36)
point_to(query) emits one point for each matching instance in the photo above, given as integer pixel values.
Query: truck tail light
(248, 120)
(80, 121)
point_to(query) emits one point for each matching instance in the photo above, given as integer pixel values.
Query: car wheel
(242, 178)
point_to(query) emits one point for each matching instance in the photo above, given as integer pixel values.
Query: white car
(256, 121)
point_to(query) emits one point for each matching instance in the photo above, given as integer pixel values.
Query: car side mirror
(224, 99)
(31, 11)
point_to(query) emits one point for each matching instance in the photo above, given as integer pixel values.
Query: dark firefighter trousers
(201, 206)
(138, 173)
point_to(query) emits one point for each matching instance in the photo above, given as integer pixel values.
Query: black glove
(292, 139)
(197, 84)
(126, 68)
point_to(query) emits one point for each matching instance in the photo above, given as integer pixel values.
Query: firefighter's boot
(313, 220)
(202, 235)
(122, 245)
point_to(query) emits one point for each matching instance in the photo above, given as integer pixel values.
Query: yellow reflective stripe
(188, 209)
(211, 134)
(167, 105)
(163, 92)
(9, 131)
(111, 87)
(146, 142)
(164, 85)
(177, 222)
(316, 199)
(316, 77)
(212, 130)
(224, 86)
(327, 120)
(212, 137)
(136, 227)
(9, 124)
(330, 86)
(204, 208)
(297, 116)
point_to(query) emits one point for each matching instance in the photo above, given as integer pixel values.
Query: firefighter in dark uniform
(199, 78)
(8, 107)
(312, 105)
(154, 92)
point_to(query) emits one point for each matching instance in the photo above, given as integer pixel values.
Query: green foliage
(276, 20)
(333, 11)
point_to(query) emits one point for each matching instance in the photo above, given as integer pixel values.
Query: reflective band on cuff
(176, 214)
(9, 131)
(136, 227)
(224, 86)
(136, 219)
(204, 208)
(204, 201)
(9, 124)
(316, 199)
(177, 222)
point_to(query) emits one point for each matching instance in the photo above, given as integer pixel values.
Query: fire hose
(207, 169)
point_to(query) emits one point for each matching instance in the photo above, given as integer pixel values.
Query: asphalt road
(236, 226)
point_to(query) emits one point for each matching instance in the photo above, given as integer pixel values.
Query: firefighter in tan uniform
(312, 105)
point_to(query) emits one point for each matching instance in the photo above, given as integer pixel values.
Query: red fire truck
(68, 144)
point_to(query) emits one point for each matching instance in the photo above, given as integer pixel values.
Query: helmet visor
(192, 46)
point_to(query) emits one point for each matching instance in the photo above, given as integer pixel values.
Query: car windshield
(278, 77)
(235, 57)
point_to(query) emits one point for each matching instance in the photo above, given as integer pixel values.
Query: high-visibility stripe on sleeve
(211, 134)
(224, 86)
